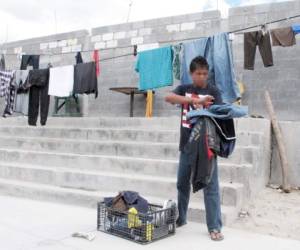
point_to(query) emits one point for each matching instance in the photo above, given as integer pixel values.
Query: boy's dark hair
(198, 62)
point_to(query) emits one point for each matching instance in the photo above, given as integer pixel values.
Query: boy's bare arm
(178, 99)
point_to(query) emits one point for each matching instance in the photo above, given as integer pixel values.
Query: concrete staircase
(82, 160)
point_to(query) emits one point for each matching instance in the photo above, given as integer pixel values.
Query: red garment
(96, 58)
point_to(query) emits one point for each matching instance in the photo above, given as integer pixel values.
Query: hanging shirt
(2, 62)
(96, 59)
(61, 81)
(283, 37)
(155, 68)
(22, 97)
(85, 79)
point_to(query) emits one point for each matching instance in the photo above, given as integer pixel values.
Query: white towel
(61, 81)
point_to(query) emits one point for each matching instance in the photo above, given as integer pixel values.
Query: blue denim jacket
(223, 112)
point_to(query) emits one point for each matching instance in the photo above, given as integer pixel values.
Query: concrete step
(242, 154)
(114, 134)
(90, 198)
(164, 187)
(228, 172)
(111, 122)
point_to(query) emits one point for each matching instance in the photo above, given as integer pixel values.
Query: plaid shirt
(8, 90)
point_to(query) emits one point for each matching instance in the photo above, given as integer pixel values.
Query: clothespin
(135, 50)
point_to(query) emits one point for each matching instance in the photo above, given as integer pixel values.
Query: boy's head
(199, 71)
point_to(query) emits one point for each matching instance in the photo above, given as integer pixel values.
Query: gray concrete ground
(31, 225)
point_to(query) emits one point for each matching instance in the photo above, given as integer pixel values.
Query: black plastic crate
(158, 223)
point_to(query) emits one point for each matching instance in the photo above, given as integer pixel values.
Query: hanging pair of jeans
(218, 53)
(263, 41)
(38, 81)
(30, 60)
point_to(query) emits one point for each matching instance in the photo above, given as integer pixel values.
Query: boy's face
(199, 77)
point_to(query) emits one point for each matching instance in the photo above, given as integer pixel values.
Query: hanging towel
(61, 81)
(85, 79)
(283, 37)
(2, 62)
(155, 68)
(96, 59)
(149, 103)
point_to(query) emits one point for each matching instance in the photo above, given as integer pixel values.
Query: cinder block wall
(281, 80)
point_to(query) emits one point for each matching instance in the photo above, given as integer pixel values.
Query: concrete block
(76, 48)
(173, 27)
(145, 31)
(119, 35)
(112, 44)
(66, 49)
(62, 43)
(43, 46)
(100, 45)
(52, 45)
(96, 38)
(137, 40)
(187, 26)
(18, 50)
(107, 36)
(147, 46)
(131, 33)
(72, 42)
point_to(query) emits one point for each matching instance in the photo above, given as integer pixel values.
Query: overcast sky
(22, 19)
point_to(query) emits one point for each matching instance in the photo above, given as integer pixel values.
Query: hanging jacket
(212, 134)
(202, 147)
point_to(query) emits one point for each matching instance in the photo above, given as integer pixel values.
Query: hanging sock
(96, 58)
(149, 103)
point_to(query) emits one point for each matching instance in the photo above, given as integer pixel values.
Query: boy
(196, 96)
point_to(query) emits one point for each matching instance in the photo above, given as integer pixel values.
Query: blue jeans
(211, 195)
(218, 53)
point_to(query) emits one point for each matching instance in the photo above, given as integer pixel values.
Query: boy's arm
(179, 99)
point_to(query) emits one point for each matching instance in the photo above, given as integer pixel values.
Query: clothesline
(176, 40)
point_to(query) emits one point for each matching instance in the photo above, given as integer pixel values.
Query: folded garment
(61, 81)
(223, 112)
(126, 200)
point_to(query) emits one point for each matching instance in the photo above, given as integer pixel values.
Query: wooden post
(280, 142)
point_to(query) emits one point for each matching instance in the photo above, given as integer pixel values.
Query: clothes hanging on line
(85, 79)
(30, 60)
(38, 81)
(283, 37)
(2, 62)
(155, 68)
(218, 53)
(96, 59)
(22, 96)
(263, 41)
(296, 28)
(8, 90)
(177, 55)
(78, 58)
(61, 81)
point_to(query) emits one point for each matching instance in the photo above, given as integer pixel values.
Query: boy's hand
(204, 100)
(208, 100)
